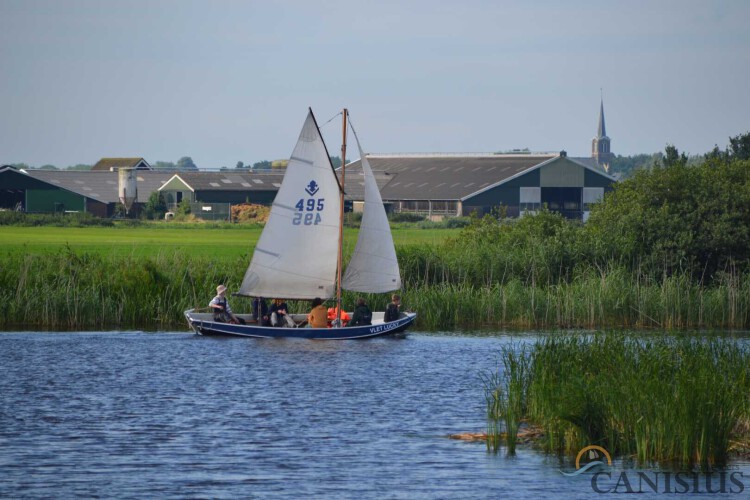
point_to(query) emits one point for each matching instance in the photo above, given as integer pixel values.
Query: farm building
(97, 192)
(223, 187)
(61, 191)
(114, 164)
(436, 185)
(456, 185)
(212, 193)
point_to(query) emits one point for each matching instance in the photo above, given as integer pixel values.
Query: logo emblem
(312, 188)
(591, 456)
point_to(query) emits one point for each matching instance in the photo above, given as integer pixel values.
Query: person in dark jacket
(362, 315)
(279, 314)
(260, 311)
(392, 311)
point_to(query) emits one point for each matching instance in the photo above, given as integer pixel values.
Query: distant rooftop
(109, 164)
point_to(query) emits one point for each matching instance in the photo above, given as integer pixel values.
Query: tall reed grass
(70, 289)
(590, 300)
(659, 399)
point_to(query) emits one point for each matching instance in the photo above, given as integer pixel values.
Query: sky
(227, 81)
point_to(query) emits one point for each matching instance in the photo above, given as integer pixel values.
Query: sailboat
(299, 252)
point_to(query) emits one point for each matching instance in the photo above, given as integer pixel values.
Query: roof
(108, 164)
(228, 181)
(591, 164)
(439, 177)
(102, 185)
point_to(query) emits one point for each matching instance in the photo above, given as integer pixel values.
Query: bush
(457, 222)
(183, 208)
(405, 217)
(60, 220)
(156, 206)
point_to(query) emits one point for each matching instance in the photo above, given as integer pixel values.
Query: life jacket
(332, 314)
(221, 315)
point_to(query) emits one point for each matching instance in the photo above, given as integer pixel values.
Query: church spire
(602, 131)
(600, 144)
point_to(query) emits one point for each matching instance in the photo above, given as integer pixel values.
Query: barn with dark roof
(456, 185)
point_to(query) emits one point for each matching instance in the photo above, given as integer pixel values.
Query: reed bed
(70, 289)
(591, 300)
(657, 399)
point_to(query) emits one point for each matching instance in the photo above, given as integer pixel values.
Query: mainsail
(373, 267)
(296, 254)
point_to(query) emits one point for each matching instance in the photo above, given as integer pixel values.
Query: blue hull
(208, 327)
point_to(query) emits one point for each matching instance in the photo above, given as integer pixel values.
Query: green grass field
(152, 240)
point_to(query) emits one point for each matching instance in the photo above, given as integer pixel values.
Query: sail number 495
(308, 211)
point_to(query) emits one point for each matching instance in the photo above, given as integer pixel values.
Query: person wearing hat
(222, 312)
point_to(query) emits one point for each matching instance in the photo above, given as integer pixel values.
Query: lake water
(175, 415)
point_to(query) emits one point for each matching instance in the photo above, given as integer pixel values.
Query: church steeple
(602, 131)
(600, 144)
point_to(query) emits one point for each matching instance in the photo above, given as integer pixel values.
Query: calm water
(164, 415)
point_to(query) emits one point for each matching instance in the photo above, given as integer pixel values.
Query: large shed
(456, 185)
(95, 192)
(223, 187)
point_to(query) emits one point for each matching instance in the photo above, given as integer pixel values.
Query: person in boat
(392, 311)
(220, 306)
(318, 316)
(333, 316)
(260, 311)
(279, 315)
(362, 315)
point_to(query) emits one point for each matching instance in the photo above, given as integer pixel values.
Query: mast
(341, 217)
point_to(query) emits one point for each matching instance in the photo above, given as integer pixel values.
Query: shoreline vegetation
(679, 400)
(71, 289)
(666, 249)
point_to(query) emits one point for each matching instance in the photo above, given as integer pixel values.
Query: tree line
(184, 163)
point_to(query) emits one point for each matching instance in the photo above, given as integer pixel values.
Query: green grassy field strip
(150, 240)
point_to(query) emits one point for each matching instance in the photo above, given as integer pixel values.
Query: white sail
(373, 267)
(296, 254)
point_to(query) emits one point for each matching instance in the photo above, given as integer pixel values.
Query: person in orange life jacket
(279, 315)
(222, 312)
(332, 315)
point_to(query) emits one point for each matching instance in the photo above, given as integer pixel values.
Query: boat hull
(203, 324)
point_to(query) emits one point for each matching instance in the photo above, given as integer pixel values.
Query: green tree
(673, 157)
(183, 208)
(156, 206)
(627, 165)
(262, 165)
(677, 217)
(186, 163)
(739, 146)
(164, 165)
(240, 165)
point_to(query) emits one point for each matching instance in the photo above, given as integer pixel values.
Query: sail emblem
(312, 188)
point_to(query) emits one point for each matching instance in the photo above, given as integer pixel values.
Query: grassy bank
(71, 289)
(662, 399)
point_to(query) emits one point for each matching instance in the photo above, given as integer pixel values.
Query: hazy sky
(222, 81)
